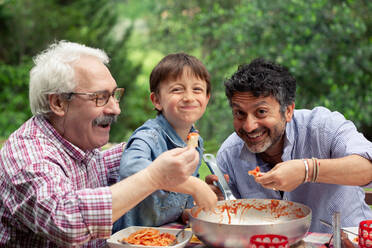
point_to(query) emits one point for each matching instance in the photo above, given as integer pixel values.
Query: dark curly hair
(263, 78)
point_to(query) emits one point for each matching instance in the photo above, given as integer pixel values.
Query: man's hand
(285, 176)
(204, 197)
(172, 167)
(210, 179)
(171, 171)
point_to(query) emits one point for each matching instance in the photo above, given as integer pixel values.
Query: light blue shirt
(150, 140)
(317, 133)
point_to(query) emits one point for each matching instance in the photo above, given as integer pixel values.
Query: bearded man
(314, 157)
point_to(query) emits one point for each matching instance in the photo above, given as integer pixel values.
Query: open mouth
(104, 125)
(256, 136)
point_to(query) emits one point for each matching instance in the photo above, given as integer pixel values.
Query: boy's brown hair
(172, 66)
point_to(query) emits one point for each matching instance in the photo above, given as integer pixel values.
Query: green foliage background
(326, 44)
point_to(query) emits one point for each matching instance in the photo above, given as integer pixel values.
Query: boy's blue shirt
(150, 140)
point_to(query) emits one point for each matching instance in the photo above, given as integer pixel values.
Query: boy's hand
(173, 167)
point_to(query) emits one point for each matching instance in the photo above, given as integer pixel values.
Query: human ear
(155, 99)
(57, 104)
(289, 112)
(208, 97)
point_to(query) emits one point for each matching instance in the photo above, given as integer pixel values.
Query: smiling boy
(180, 91)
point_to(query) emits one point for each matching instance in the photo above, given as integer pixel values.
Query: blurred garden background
(326, 44)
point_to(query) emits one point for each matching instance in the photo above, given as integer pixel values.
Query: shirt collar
(289, 141)
(74, 151)
(170, 132)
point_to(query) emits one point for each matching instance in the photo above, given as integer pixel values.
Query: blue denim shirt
(150, 140)
(317, 133)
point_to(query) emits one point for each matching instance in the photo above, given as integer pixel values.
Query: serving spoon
(211, 162)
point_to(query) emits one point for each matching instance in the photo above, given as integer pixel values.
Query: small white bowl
(114, 242)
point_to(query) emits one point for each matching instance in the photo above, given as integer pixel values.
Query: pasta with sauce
(150, 237)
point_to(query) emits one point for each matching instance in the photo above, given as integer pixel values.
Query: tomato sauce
(274, 208)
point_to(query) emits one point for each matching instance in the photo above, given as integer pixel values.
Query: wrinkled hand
(210, 179)
(285, 176)
(172, 167)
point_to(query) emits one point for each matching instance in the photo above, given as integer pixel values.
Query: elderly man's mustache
(105, 120)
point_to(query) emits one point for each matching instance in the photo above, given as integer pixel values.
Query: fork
(178, 234)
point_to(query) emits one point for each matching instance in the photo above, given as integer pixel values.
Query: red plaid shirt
(51, 192)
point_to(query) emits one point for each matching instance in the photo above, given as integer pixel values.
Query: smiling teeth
(252, 136)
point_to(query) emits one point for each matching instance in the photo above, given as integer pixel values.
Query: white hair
(53, 72)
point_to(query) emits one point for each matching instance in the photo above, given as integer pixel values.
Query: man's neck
(273, 155)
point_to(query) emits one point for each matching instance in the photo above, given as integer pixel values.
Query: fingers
(173, 167)
(187, 154)
(285, 176)
(205, 198)
(265, 179)
(210, 179)
(269, 180)
(271, 185)
(208, 206)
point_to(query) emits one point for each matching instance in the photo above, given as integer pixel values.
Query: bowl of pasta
(234, 222)
(141, 237)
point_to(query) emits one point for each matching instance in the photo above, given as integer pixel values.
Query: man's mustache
(241, 131)
(105, 120)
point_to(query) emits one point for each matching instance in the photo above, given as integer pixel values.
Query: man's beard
(268, 142)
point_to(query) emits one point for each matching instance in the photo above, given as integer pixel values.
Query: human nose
(188, 95)
(112, 106)
(250, 124)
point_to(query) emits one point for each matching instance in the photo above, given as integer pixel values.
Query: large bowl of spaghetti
(148, 237)
(233, 222)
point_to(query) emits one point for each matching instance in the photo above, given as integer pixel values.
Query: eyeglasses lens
(103, 97)
(118, 93)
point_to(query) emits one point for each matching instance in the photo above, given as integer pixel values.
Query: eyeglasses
(101, 97)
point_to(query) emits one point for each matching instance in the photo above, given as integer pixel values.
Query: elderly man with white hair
(57, 188)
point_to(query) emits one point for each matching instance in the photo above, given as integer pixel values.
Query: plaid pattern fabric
(51, 192)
